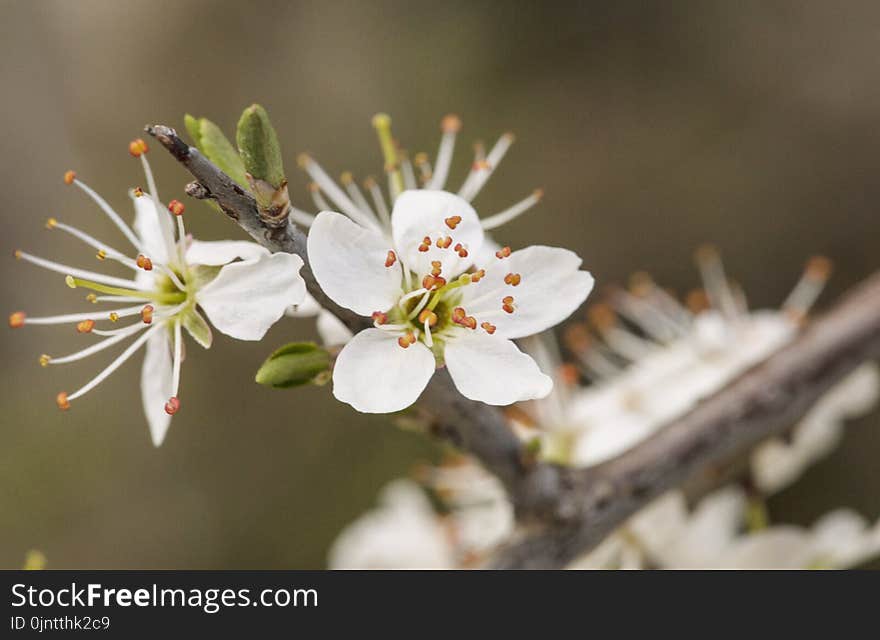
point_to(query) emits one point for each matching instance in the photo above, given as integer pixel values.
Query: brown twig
(569, 511)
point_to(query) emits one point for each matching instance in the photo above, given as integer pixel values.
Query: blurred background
(653, 127)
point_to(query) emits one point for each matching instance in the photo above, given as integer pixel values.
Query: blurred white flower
(430, 309)
(716, 535)
(239, 286)
(652, 359)
(406, 532)
(403, 532)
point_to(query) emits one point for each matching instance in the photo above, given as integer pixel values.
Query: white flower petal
(223, 252)
(246, 298)
(493, 370)
(332, 330)
(156, 385)
(349, 263)
(421, 213)
(374, 374)
(550, 289)
(308, 308)
(148, 224)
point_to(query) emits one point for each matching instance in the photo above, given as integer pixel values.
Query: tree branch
(762, 402)
(569, 511)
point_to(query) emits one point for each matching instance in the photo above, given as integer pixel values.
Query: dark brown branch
(570, 511)
(475, 427)
(762, 402)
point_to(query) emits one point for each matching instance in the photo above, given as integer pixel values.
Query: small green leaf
(259, 148)
(295, 364)
(209, 139)
(194, 128)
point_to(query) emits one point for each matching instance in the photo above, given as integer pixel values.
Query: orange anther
(697, 301)
(144, 263)
(62, 401)
(16, 320)
(147, 314)
(406, 339)
(436, 267)
(85, 326)
(432, 283)
(176, 207)
(451, 123)
(513, 279)
(428, 316)
(568, 373)
(379, 317)
(137, 147)
(452, 221)
(390, 259)
(488, 327)
(818, 268)
(507, 304)
(69, 177)
(503, 253)
(138, 192)
(172, 406)
(443, 243)
(478, 275)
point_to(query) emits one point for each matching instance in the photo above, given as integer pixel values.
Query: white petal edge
(551, 289)
(148, 223)
(493, 370)
(214, 254)
(246, 298)
(348, 261)
(421, 213)
(374, 374)
(156, 385)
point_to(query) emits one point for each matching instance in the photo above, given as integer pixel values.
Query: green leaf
(295, 364)
(209, 139)
(194, 128)
(259, 148)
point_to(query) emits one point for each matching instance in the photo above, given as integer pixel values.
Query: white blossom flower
(239, 286)
(430, 310)
(371, 206)
(406, 532)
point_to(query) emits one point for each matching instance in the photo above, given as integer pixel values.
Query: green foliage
(295, 364)
(209, 139)
(258, 146)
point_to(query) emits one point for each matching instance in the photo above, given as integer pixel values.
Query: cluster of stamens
(634, 322)
(112, 288)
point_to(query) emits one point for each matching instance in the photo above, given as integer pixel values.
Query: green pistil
(164, 298)
(442, 291)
